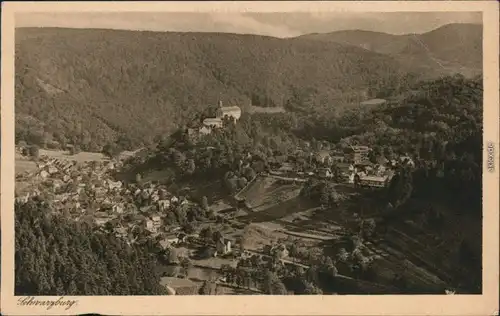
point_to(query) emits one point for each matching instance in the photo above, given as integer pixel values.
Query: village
(191, 233)
(146, 212)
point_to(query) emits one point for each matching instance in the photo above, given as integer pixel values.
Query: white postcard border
(485, 304)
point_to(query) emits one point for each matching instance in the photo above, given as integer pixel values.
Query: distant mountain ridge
(92, 86)
(456, 47)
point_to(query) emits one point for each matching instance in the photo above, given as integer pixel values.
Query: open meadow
(26, 164)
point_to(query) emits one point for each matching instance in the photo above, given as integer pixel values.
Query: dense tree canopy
(56, 256)
(98, 88)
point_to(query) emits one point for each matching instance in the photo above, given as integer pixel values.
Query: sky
(270, 24)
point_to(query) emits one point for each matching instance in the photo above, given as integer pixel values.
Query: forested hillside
(448, 49)
(439, 122)
(91, 86)
(56, 256)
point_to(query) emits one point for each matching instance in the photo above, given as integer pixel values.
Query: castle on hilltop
(222, 111)
(231, 111)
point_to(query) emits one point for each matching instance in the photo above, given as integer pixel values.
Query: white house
(44, 174)
(407, 160)
(280, 251)
(205, 130)
(155, 198)
(325, 173)
(163, 205)
(114, 185)
(156, 221)
(231, 111)
(222, 246)
(52, 170)
(117, 208)
(150, 226)
(323, 156)
(212, 122)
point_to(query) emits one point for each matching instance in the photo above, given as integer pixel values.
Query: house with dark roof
(357, 154)
(324, 157)
(178, 286)
(372, 181)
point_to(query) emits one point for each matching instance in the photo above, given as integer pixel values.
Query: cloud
(247, 24)
(388, 22)
(270, 24)
(182, 22)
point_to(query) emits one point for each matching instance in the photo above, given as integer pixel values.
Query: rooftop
(360, 147)
(373, 178)
(212, 120)
(176, 283)
(343, 165)
(230, 108)
(323, 153)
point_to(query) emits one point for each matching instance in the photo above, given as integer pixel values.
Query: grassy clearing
(257, 190)
(279, 209)
(80, 157)
(271, 110)
(23, 165)
(256, 236)
(266, 192)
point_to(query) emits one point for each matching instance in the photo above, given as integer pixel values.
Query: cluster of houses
(349, 166)
(155, 202)
(355, 167)
(88, 192)
(221, 247)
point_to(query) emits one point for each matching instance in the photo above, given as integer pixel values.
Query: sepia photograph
(237, 151)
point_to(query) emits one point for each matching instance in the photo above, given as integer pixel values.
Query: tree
(173, 257)
(249, 173)
(138, 178)
(78, 255)
(72, 289)
(75, 149)
(204, 203)
(355, 242)
(207, 234)
(293, 250)
(111, 150)
(329, 266)
(34, 151)
(324, 198)
(312, 274)
(208, 288)
(231, 185)
(242, 182)
(217, 235)
(273, 285)
(311, 289)
(368, 227)
(190, 167)
(189, 227)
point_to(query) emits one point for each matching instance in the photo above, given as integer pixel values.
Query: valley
(177, 163)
